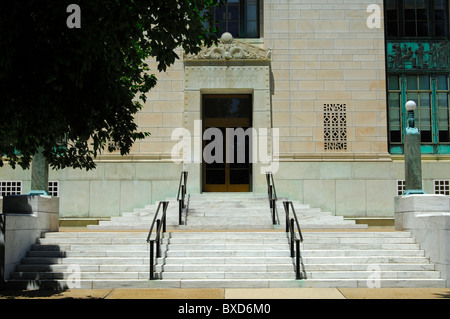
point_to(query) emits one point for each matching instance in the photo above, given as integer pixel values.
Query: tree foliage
(86, 84)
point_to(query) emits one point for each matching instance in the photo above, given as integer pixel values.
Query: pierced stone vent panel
(335, 127)
(53, 188)
(401, 187)
(10, 188)
(442, 187)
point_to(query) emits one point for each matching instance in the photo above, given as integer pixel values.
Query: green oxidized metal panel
(417, 56)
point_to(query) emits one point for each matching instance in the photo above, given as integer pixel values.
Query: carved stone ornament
(230, 49)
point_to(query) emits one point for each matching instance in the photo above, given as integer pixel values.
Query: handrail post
(274, 208)
(152, 270)
(286, 210)
(158, 250)
(165, 204)
(180, 212)
(181, 196)
(291, 224)
(270, 196)
(297, 259)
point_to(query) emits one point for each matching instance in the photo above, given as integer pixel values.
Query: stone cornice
(230, 49)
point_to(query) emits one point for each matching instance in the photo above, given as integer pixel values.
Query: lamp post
(413, 163)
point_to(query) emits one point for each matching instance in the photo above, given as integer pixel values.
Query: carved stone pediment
(230, 49)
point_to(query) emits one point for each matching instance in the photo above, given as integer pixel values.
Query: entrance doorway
(226, 121)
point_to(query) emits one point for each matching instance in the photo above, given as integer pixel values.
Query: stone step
(223, 226)
(145, 275)
(95, 234)
(356, 246)
(228, 275)
(137, 247)
(230, 241)
(370, 274)
(249, 267)
(364, 259)
(328, 241)
(227, 283)
(227, 253)
(159, 267)
(226, 267)
(311, 275)
(227, 246)
(91, 253)
(85, 260)
(99, 240)
(82, 275)
(170, 253)
(242, 207)
(227, 260)
(426, 266)
(282, 234)
(306, 260)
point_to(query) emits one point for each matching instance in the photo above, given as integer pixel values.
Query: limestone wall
(324, 53)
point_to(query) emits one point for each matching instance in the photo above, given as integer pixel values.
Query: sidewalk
(232, 293)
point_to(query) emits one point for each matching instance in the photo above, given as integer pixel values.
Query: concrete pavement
(235, 293)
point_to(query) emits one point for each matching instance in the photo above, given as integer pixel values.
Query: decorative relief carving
(418, 55)
(230, 49)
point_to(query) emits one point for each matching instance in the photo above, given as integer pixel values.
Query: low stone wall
(427, 217)
(23, 220)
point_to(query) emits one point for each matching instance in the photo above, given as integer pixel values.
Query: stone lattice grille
(442, 187)
(53, 188)
(400, 187)
(335, 127)
(10, 188)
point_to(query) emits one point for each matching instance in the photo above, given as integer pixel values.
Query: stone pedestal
(413, 162)
(39, 173)
(427, 217)
(23, 220)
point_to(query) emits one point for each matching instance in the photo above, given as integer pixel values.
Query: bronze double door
(227, 143)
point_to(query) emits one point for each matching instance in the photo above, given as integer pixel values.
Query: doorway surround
(231, 67)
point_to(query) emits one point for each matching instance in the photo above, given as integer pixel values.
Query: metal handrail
(160, 228)
(272, 194)
(181, 197)
(291, 223)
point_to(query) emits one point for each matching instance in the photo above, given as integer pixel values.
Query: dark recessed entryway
(227, 144)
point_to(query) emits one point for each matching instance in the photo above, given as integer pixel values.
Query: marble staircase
(228, 241)
(225, 259)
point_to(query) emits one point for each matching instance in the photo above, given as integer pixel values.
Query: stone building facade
(324, 76)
